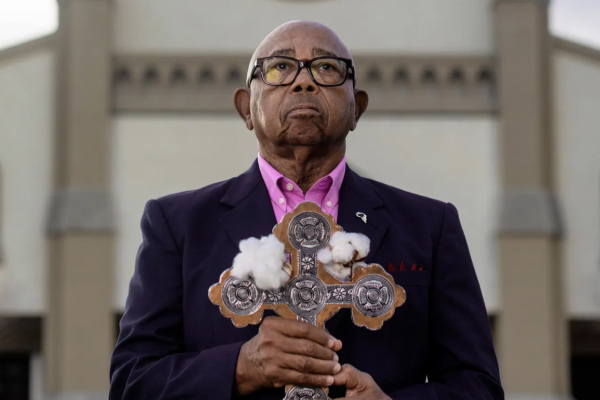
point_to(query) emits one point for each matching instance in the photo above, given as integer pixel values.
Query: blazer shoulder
(425, 214)
(394, 196)
(178, 206)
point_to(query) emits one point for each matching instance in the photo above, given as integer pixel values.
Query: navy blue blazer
(175, 344)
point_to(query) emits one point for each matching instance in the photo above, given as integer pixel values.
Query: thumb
(350, 377)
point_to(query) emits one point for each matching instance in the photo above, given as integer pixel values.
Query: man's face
(303, 113)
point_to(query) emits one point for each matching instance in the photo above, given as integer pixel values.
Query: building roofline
(581, 50)
(24, 49)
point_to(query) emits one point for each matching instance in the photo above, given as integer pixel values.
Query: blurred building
(471, 102)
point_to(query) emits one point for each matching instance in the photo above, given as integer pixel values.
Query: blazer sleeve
(150, 360)
(462, 363)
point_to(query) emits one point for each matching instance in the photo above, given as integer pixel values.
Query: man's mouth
(304, 111)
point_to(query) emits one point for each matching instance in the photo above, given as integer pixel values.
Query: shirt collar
(337, 177)
(272, 177)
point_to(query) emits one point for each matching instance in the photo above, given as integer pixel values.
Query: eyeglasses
(324, 71)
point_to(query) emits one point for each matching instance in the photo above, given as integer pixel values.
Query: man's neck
(302, 164)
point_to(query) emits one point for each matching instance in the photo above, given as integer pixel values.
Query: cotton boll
(242, 265)
(272, 252)
(250, 245)
(339, 272)
(358, 241)
(271, 280)
(324, 255)
(338, 238)
(361, 244)
(263, 261)
(342, 252)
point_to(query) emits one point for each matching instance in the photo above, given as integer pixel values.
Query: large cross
(311, 295)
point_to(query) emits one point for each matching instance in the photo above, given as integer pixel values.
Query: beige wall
(450, 158)
(406, 26)
(577, 116)
(26, 122)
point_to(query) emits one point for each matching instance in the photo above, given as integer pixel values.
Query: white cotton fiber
(324, 255)
(361, 244)
(341, 242)
(338, 237)
(262, 260)
(342, 252)
(338, 271)
(344, 248)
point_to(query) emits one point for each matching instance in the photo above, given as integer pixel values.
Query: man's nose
(304, 83)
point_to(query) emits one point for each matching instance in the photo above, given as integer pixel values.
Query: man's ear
(361, 102)
(241, 101)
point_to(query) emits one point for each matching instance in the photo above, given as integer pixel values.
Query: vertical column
(532, 341)
(78, 329)
(1, 216)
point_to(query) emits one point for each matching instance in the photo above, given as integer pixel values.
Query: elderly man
(301, 103)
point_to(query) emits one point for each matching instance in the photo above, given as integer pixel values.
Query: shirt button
(289, 187)
(281, 200)
(329, 204)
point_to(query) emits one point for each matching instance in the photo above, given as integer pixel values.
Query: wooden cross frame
(311, 295)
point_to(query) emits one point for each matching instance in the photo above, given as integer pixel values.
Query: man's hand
(287, 352)
(359, 385)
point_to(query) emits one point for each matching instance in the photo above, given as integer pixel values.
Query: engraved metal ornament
(373, 296)
(308, 264)
(340, 294)
(306, 295)
(312, 295)
(275, 297)
(241, 297)
(305, 393)
(309, 232)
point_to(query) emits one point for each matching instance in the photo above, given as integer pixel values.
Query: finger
(302, 330)
(349, 377)
(337, 346)
(310, 365)
(300, 378)
(305, 347)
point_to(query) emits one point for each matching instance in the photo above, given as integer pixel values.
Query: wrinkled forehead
(302, 40)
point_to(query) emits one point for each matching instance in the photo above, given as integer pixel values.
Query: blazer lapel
(252, 214)
(356, 195)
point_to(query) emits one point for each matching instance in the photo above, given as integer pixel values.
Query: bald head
(286, 39)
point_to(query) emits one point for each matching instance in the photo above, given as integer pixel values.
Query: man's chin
(305, 138)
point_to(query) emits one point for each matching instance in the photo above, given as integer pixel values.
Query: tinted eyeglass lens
(279, 71)
(329, 71)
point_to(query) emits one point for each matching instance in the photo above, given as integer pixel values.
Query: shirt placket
(291, 194)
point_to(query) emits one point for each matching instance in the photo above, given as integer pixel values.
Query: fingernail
(329, 380)
(336, 358)
(331, 343)
(337, 368)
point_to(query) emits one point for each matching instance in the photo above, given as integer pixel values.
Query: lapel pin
(362, 216)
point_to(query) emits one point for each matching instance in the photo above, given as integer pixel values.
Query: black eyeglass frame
(350, 70)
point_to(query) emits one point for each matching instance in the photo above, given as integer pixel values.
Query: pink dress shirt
(286, 195)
